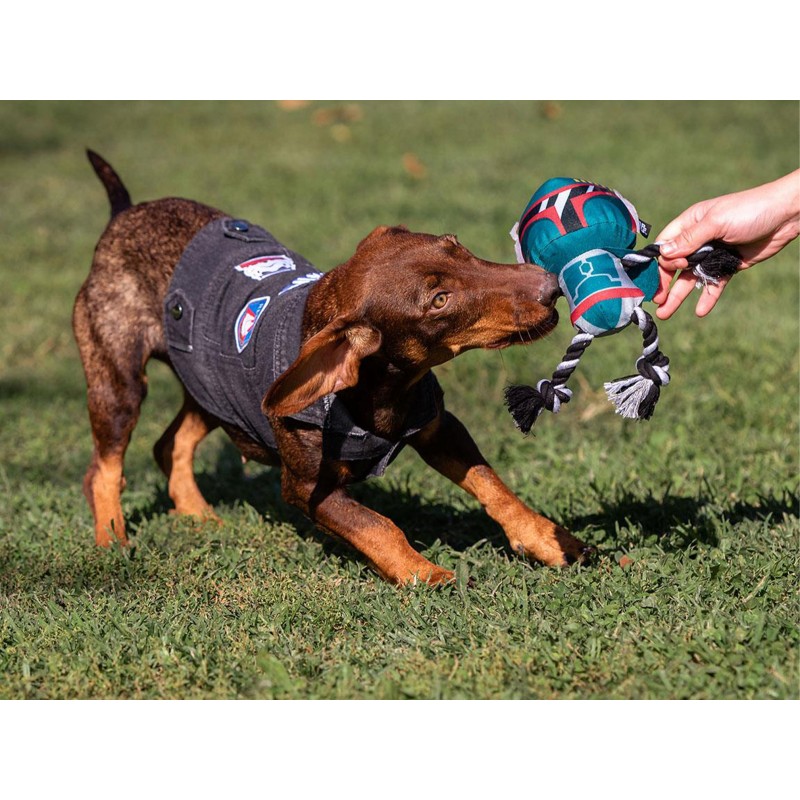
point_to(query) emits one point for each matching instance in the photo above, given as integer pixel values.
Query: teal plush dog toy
(585, 233)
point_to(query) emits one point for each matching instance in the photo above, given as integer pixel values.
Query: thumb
(686, 234)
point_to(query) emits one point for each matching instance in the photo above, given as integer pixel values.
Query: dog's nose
(549, 290)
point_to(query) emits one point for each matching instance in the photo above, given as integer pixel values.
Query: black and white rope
(710, 263)
(526, 403)
(635, 396)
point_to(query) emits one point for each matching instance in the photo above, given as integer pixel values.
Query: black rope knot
(552, 393)
(526, 403)
(648, 371)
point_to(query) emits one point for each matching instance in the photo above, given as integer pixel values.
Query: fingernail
(668, 248)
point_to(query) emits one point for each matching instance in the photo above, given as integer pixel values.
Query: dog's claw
(583, 558)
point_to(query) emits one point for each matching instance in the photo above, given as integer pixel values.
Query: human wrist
(787, 197)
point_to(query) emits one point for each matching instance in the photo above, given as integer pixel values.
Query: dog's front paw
(431, 575)
(553, 546)
(574, 550)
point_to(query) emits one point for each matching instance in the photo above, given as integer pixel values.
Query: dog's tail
(117, 193)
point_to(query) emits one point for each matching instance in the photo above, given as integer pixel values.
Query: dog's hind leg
(174, 453)
(116, 386)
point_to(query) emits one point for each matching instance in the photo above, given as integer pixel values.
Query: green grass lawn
(702, 499)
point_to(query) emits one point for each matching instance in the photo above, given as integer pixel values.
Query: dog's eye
(440, 300)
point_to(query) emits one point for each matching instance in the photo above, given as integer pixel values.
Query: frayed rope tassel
(526, 403)
(635, 396)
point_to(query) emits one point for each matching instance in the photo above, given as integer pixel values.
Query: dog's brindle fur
(372, 327)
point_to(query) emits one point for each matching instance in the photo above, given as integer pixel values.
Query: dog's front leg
(377, 538)
(447, 446)
(317, 489)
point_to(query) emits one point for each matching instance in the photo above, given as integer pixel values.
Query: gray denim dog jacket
(233, 317)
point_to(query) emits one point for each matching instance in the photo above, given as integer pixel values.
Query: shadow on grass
(51, 574)
(424, 523)
(675, 523)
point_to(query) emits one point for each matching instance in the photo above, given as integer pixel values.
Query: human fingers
(689, 239)
(710, 295)
(667, 267)
(681, 289)
(665, 277)
(688, 232)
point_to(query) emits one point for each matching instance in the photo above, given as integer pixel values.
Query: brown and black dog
(370, 331)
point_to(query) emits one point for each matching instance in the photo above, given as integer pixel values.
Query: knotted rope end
(635, 396)
(524, 403)
(713, 262)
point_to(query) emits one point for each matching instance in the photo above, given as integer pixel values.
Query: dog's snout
(549, 290)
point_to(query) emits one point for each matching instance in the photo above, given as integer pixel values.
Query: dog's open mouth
(527, 335)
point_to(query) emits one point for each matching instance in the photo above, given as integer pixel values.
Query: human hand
(759, 222)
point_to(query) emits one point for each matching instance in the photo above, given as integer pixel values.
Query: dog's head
(414, 300)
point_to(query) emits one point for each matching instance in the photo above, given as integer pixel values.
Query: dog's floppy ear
(328, 362)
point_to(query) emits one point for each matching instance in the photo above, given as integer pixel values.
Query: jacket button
(176, 311)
